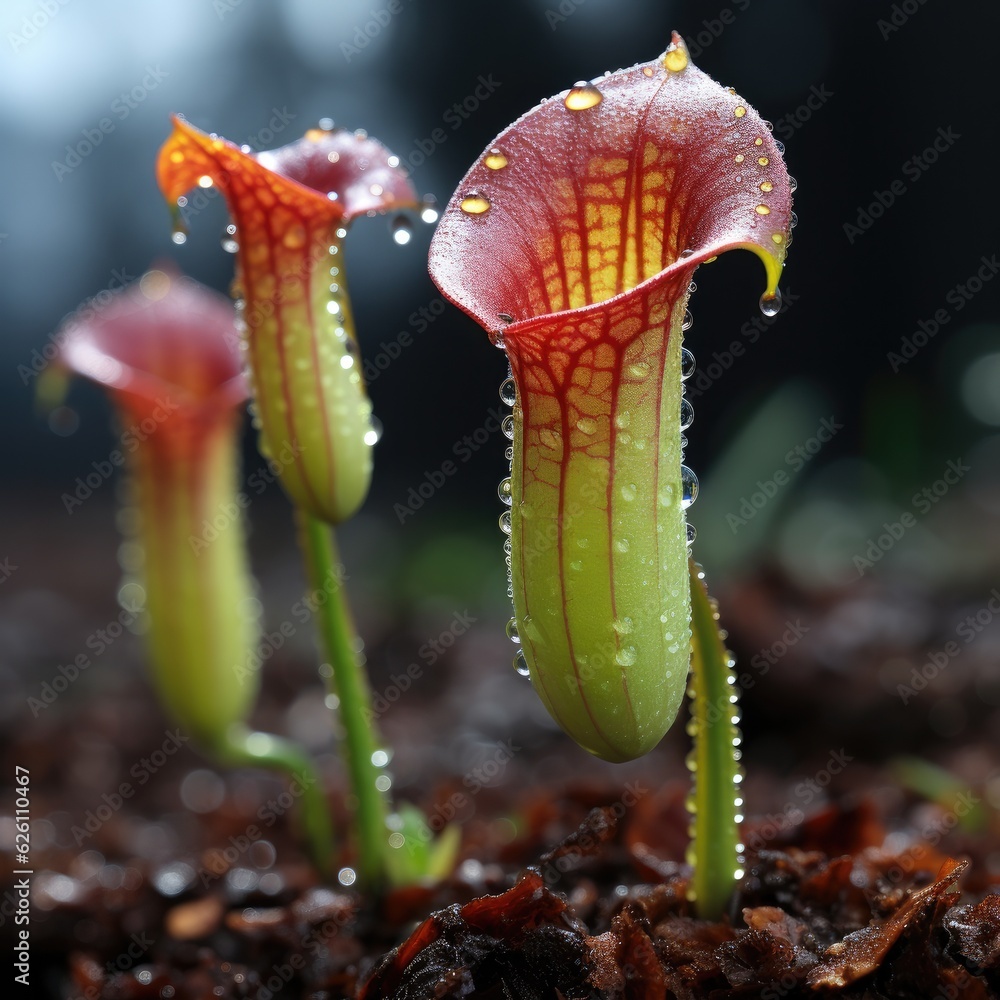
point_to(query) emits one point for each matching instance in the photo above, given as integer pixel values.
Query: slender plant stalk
(715, 850)
(243, 746)
(349, 684)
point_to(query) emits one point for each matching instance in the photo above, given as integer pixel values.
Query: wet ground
(871, 761)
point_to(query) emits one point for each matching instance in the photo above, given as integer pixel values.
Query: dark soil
(862, 881)
(825, 907)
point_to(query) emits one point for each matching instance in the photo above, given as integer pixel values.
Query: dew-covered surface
(157, 871)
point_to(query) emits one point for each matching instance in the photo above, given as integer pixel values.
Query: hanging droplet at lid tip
(770, 302)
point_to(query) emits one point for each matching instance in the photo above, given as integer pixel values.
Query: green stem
(349, 684)
(242, 746)
(714, 852)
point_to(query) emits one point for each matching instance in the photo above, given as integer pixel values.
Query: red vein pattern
(583, 223)
(291, 207)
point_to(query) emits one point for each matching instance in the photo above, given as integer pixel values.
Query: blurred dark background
(856, 91)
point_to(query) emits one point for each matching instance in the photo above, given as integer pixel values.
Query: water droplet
(687, 363)
(521, 664)
(625, 656)
(758, 142)
(766, 186)
(229, 243)
(762, 210)
(739, 112)
(576, 565)
(687, 414)
(428, 210)
(586, 425)
(504, 522)
(583, 96)
(647, 70)
(401, 229)
(623, 626)
(739, 158)
(347, 876)
(507, 426)
(638, 371)
(780, 145)
(684, 254)
(621, 545)
(689, 487)
(629, 492)
(495, 160)
(505, 317)
(793, 221)
(770, 305)
(475, 204)
(380, 758)
(508, 453)
(622, 420)
(178, 231)
(512, 632)
(688, 320)
(205, 181)
(675, 59)
(496, 338)
(793, 184)
(763, 161)
(508, 392)
(692, 533)
(374, 433)
(504, 490)
(777, 238)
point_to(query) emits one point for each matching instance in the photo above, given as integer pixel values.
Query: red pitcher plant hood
(163, 342)
(290, 209)
(167, 351)
(572, 241)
